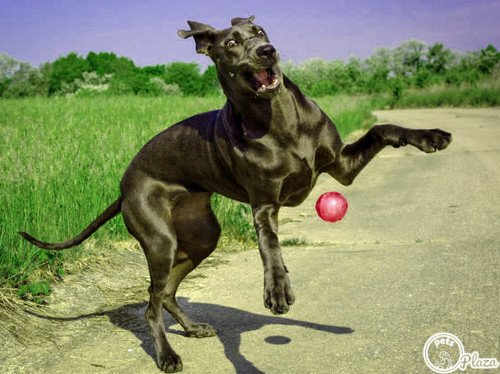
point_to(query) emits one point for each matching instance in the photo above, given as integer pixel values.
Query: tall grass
(350, 112)
(61, 162)
(466, 96)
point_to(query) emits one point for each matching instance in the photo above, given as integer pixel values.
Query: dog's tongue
(262, 77)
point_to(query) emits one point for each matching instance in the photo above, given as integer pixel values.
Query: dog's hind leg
(147, 215)
(197, 234)
(354, 157)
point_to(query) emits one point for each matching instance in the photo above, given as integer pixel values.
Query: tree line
(411, 64)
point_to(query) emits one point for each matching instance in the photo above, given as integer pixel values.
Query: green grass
(467, 96)
(35, 291)
(61, 162)
(350, 113)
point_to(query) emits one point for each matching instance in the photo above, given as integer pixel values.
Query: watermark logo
(444, 353)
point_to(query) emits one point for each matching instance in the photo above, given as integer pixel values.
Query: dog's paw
(170, 362)
(431, 140)
(278, 294)
(201, 330)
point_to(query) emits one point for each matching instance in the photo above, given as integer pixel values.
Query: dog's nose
(266, 51)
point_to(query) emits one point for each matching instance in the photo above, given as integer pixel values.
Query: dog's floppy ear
(204, 35)
(242, 21)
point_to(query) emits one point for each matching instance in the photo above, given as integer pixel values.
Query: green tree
(132, 82)
(8, 66)
(186, 76)
(210, 82)
(26, 81)
(356, 71)
(20, 79)
(101, 62)
(155, 70)
(378, 70)
(318, 77)
(408, 57)
(438, 58)
(423, 78)
(465, 69)
(108, 63)
(397, 85)
(488, 58)
(65, 70)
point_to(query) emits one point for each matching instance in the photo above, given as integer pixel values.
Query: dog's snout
(266, 51)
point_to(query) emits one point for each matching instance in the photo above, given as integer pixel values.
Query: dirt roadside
(417, 253)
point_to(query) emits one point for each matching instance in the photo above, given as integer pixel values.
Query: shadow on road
(230, 322)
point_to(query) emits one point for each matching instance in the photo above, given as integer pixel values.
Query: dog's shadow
(230, 322)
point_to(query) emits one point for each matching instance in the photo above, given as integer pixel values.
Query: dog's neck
(259, 116)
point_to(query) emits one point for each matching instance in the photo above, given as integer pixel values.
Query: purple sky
(39, 31)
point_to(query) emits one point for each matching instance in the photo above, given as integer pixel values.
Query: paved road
(417, 253)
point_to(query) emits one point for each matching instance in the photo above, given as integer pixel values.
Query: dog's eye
(231, 43)
(261, 32)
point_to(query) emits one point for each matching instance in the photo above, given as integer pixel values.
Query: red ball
(331, 206)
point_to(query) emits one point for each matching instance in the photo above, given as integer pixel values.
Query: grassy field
(483, 94)
(61, 161)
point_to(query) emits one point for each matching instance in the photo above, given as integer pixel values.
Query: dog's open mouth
(263, 80)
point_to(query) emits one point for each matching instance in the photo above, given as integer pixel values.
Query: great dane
(265, 147)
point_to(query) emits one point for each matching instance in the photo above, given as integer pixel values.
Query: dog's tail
(110, 212)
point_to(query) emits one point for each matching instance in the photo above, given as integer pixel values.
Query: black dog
(266, 147)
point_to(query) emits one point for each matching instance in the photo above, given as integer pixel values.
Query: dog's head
(246, 61)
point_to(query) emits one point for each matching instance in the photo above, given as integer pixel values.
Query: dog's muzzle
(263, 80)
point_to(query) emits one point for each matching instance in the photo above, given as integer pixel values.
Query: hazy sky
(39, 31)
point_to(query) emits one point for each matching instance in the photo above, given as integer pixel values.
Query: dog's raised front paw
(201, 330)
(278, 294)
(431, 140)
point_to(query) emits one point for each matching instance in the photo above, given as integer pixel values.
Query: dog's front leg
(278, 295)
(354, 157)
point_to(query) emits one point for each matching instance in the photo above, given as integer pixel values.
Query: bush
(108, 63)
(65, 70)
(133, 82)
(464, 96)
(397, 85)
(34, 291)
(19, 79)
(165, 88)
(210, 82)
(186, 76)
(25, 82)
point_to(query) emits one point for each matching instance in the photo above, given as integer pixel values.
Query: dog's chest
(277, 174)
(297, 184)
